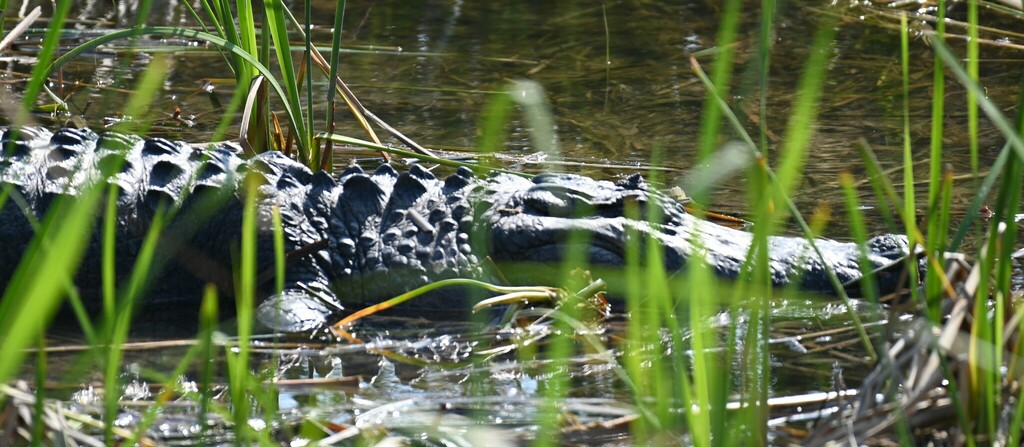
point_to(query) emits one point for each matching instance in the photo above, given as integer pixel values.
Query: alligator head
(540, 221)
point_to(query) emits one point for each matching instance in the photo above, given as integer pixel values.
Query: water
(625, 97)
(621, 97)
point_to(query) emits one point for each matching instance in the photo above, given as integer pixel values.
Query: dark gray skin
(363, 237)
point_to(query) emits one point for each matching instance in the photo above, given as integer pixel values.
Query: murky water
(619, 94)
(622, 91)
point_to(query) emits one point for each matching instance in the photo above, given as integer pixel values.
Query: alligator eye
(634, 182)
(550, 203)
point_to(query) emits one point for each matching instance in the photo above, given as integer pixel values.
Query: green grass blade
(877, 179)
(207, 326)
(308, 61)
(860, 236)
(706, 418)
(972, 71)
(38, 409)
(213, 12)
(142, 12)
(638, 332)
(118, 317)
(3, 16)
(530, 96)
(118, 328)
(493, 121)
(246, 37)
(290, 105)
(146, 91)
(339, 22)
(245, 300)
(938, 108)
(279, 251)
(986, 186)
(766, 37)
(992, 111)
(1003, 241)
(81, 314)
(441, 161)
(805, 110)
(38, 284)
(982, 348)
(40, 72)
(711, 118)
(74, 300)
(109, 255)
(332, 93)
(670, 383)
(980, 197)
(909, 205)
(277, 24)
(938, 209)
(205, 5)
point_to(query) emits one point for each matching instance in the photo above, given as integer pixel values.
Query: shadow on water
(430, 67)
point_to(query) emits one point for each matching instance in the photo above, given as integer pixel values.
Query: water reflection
(430, 67)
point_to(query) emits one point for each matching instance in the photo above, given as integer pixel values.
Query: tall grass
(47, 268)
(980, 414)
(988, 339)
(909, 196)
(938, 218)
(657, 304)
(711, 120)
(38, 284)
(117, 329)
(41, 70)
(973, 47)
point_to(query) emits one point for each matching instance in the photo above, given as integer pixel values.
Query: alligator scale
(361, 237)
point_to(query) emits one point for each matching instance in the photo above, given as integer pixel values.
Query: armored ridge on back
(360, 238)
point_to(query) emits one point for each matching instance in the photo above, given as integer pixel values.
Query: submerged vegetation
(691, 361)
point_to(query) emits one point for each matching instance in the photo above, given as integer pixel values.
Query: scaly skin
(363, 237)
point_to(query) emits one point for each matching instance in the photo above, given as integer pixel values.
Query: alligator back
(196, 189)
(365, 237)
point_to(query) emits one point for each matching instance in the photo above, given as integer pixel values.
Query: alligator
(361, 237)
